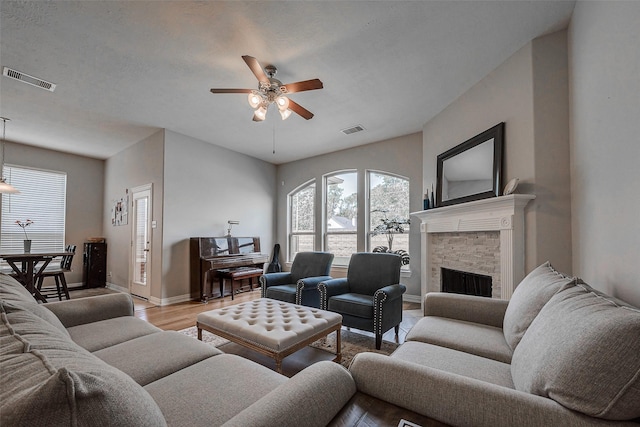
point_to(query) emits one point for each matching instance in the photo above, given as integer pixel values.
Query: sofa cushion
(156, 355)
(212, 391)
(13, 292)
(456, 362)
(582, 351)
(475, 338)
(49, 380)
(531, 294)
(105, 333)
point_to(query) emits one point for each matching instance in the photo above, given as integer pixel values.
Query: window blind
(42, 199)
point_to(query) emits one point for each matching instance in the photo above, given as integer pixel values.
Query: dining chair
(58, 273)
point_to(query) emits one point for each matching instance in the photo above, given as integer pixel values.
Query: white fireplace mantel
(504, 214)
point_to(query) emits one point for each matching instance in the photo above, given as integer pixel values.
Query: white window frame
(37, 203)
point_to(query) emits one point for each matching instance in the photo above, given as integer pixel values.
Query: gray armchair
(300, 285)
(370, 297)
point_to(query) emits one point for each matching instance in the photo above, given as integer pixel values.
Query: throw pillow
(582, 351)
(533, 292)
(47, 379)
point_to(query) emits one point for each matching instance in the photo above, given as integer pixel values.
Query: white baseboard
(172, 300)
(117, 288)
(411, 298)
(153, 300)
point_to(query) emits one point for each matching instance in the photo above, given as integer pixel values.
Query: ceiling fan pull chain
(274, 138)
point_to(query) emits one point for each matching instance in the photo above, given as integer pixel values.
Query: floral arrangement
(24, 225)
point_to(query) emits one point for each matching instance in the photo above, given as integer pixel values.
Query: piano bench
(238, 274)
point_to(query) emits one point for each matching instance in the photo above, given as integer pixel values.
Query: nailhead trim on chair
(377, 311)
(323, 296)
(299, 288)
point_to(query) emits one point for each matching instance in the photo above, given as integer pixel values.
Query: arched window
(386, 198)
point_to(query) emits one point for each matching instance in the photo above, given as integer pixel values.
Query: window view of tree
(342, 216)
(388, 203)
(302, 216)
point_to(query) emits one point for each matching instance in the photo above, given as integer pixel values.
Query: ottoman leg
(338, 347)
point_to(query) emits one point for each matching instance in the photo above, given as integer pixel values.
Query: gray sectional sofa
(559, 353)
(90, 362)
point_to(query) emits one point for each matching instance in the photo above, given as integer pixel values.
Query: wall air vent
(353, 129)
(26, 78)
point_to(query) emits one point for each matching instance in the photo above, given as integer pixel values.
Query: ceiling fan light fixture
(261, 113)
(254, 99)
(282, 102)
(285, 114)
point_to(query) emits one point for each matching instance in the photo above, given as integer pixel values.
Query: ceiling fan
(272, 91)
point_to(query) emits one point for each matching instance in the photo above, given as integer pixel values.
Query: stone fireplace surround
(483, 236)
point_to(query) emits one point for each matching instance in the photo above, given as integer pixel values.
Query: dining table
(28, 267)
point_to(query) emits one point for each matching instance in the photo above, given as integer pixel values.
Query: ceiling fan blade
(298, 109)
(230, 90)
(256, 68)
(304, 85)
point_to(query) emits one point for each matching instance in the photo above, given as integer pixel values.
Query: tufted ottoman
(273, 328)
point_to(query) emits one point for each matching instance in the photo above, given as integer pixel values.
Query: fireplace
(483, 236)
(464, 282)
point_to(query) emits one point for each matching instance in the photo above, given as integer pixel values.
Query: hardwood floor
(183, 315)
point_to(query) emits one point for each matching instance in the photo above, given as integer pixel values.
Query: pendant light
(4, 187)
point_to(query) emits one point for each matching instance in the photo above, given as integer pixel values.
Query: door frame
(136, 289)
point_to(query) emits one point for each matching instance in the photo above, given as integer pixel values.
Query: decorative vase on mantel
(27, 246)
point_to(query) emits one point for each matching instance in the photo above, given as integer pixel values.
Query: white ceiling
(125, 69)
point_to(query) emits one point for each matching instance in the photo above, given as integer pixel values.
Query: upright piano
(209, 254)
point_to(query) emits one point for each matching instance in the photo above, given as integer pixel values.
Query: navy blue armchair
(370, 297)
(300, 285)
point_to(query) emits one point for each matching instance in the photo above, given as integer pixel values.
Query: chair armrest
(390, 292)
(456, 399)
(275, 279)
(91, 309)
(332, 287)
(311, 283)
(469, 308)
(311, 398)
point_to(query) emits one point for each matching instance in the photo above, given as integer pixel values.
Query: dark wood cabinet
(94, 265)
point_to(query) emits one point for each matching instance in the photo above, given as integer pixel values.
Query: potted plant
(27, 242)
(389, 227)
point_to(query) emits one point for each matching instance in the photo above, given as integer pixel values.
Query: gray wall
(85, 183)
(139, 164)
(398, 155)
(605, 147)
(205, 186)
(529, 93)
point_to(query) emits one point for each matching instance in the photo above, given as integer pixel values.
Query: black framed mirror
(471, 170)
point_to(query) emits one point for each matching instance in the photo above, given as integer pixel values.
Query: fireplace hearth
(463, 282)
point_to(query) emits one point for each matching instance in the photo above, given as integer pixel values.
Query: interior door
(140, 271)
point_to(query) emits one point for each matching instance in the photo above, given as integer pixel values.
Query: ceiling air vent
(354, 129)
(26, 78)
